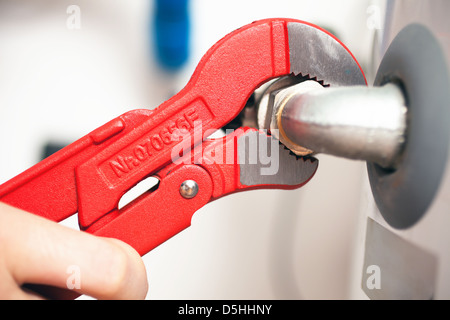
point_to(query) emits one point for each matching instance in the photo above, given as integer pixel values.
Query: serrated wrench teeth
(264, 161)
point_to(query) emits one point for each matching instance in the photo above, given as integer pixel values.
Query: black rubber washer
(416, 62)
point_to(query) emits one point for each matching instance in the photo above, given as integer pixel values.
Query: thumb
(39, 251)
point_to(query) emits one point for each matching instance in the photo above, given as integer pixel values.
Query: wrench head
(314, 54)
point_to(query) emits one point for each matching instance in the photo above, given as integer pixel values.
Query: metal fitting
(356, 122)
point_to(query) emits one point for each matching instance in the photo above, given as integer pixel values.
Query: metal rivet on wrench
(189, 189)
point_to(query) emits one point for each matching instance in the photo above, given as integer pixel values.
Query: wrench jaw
(266, 163)
(317, 53)
(249, 159)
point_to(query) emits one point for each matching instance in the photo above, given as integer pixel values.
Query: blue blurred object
(171, 33)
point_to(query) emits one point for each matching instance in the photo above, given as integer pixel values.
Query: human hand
(42, 259)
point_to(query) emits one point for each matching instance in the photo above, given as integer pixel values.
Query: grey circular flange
(417, 63)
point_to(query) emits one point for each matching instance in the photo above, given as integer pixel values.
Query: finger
(9, 290)
(40, 251)
(49, 292)
(20, 294)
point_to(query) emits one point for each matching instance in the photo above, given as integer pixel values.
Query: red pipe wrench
(90, 175)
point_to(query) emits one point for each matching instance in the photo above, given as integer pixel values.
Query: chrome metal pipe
(356, 122)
